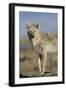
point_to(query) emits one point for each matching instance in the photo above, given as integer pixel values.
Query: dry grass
(29, 60)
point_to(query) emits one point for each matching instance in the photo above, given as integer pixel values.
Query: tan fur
(40, 45)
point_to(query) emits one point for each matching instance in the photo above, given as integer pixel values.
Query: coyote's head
(32, 29)
(35, 37)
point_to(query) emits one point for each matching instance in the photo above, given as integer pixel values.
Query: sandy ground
(29, 65)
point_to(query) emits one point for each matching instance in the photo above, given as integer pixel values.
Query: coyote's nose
(32, 36)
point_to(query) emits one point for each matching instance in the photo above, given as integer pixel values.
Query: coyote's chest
(38, 44)
(37, 39)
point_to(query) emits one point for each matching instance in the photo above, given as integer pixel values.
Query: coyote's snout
(30, 34)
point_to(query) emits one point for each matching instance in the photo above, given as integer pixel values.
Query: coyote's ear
(27, 26)
(37, 25)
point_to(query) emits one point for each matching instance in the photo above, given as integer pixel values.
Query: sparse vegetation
(29, 59)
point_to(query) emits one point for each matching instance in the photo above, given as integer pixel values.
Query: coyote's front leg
(39, 65)
(43, 60)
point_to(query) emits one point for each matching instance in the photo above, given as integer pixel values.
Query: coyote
(40, 45)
